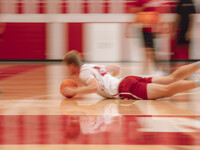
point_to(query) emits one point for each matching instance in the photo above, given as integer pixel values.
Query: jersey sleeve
(86, 75)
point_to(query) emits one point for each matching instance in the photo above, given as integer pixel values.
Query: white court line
(179, 94)
(39, 96)
(33, 98)
(29, 102)
(57, 94)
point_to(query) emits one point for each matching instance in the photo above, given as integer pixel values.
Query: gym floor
(34, 115)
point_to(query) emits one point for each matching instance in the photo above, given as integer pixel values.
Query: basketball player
(148, 16)
(2, 30)
(102, 79)
(183, 24)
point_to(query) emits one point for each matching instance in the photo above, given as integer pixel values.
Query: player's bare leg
(149, 59)
(155, 91)
(180, 74)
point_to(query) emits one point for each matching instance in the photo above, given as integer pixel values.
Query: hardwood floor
(34, 115)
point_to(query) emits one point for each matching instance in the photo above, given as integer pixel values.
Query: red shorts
(133, 87)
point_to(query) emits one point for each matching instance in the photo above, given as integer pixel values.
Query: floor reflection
(101, 129)
(121, 107)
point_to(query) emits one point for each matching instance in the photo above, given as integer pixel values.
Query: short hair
(73, 57)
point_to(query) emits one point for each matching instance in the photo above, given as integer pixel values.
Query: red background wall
(23, 41)
(75, 36)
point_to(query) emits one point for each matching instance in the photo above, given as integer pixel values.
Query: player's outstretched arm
(91, 87)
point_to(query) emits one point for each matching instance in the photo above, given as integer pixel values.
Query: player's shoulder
(87, 66)
(91, 66)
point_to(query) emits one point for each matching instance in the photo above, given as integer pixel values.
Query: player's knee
(172, 78)
(168, 91)
(163, 92)
(176, 76)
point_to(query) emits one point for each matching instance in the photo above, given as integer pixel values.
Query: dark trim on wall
(60, 60)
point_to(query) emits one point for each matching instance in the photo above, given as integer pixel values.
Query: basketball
(149, 17)
(68, 83)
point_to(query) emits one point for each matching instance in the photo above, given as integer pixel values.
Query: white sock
(198, 63)
(197, 83)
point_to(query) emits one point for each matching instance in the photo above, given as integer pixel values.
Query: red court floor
(33, 114)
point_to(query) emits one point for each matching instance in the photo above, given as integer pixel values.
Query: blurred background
(47, 29)
(32, 110)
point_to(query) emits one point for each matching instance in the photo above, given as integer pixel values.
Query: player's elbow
(117, 71)
(95, 88)
(93, 85)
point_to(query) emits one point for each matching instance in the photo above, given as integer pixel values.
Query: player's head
(73, 61)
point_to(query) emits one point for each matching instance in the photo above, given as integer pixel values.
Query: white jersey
(108, 83)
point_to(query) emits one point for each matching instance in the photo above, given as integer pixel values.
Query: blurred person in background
(147, 14)
(2, 30)
(2, 27)
(183, 28)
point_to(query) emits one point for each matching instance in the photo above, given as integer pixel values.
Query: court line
(15, 108)
(180, 94)
(34, 99)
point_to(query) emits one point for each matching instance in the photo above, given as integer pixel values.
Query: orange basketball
(148, 17)
(68, 83)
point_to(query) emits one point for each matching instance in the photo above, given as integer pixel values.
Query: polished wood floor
(33, 114)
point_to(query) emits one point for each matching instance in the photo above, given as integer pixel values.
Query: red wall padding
(75, 39)
(23, 41)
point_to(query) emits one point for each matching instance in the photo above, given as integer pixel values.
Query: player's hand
(69, 91)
